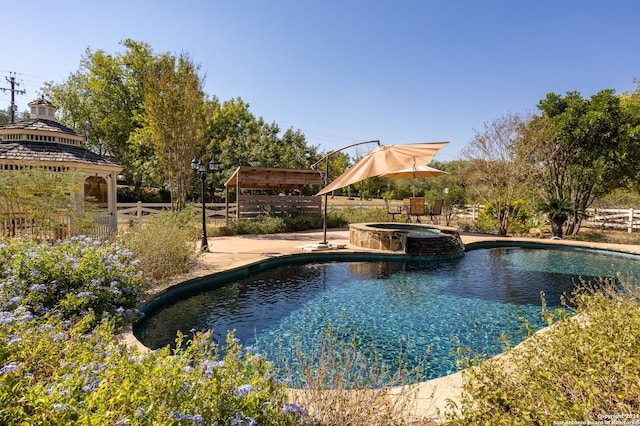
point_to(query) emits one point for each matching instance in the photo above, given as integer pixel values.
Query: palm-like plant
(558, 210)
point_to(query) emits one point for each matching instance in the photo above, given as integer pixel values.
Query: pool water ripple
(424, 310)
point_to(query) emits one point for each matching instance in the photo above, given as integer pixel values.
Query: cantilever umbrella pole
(326, 180)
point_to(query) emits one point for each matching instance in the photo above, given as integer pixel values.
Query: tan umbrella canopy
(385, 159)
(415, 173)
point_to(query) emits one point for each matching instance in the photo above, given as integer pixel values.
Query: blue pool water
(423, 310)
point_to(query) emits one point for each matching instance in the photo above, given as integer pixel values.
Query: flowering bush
(54, 372)
(165, 245)
(72, 277)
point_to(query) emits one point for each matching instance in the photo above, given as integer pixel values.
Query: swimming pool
(386, 305)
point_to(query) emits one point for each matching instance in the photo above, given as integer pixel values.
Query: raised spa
(407, 238)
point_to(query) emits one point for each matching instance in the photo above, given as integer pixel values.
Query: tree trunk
(556, 228)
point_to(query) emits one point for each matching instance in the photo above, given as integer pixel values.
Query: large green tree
(174, 120)
(236, 137)
(585, 148)
(145, 110)
(103, 100)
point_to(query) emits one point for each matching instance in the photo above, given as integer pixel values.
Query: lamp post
(198, 166)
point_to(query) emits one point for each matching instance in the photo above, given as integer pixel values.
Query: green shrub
(164, 246)
(72, 277)
(583, 369)
(302, 221)
(52, 373)
(262, 225)
(357, 215)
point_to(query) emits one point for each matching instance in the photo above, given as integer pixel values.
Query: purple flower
(9, 368)
(91, 386)
(295, 408)
(243, 390)
(60, 407)
(7, 317)
(209, 366)
(239, 420)
(195, 418)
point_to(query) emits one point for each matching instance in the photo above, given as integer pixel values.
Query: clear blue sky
(401, 71)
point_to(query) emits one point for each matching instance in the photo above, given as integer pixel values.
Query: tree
(237, 138)
(630, 104)
(104, 101)
(558, 211)
(500, 162)
(43, 198)
(5, 116)
(585, 148)
(451, 188)
(174, 121)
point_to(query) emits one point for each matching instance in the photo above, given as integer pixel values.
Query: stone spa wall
(412, 239)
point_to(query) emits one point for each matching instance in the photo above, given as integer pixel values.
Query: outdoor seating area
(416, 207)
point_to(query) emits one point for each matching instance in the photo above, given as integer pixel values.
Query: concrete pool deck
(423, 400)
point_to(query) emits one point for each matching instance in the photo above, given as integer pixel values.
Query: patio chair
(393, 211)
(416, 207)
(436, 210)
(406, 206)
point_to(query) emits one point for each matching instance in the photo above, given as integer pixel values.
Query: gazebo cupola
(42, 108)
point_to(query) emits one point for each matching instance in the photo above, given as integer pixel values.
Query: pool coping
(245, 252)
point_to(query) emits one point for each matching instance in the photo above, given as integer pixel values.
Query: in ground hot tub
(408, 238)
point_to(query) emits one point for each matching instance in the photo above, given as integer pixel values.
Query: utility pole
(12, 81)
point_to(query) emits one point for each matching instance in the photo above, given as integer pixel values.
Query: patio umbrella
(385, 159)
(414, 173)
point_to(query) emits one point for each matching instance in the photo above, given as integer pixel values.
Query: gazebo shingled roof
(43, 151)
(42, 125)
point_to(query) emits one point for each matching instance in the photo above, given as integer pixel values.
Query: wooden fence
(252, 206)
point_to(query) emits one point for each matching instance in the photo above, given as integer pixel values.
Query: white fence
(628, 219)
(621, 219)
(131, 212)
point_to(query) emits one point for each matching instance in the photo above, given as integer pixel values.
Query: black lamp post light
(198, 166)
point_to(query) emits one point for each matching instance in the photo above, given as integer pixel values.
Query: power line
(12, 81)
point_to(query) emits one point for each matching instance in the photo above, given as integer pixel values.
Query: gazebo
(291, 181)
(42, 142)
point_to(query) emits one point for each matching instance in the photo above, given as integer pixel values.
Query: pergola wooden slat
(247, 177)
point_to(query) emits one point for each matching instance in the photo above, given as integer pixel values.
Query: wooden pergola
(269, 178)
